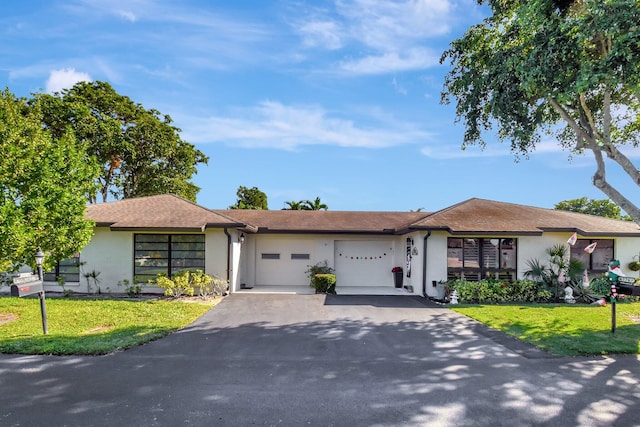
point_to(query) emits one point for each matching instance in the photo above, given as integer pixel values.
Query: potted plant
(635, 264)
(397, 276)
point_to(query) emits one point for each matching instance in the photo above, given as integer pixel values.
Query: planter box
(398, 276)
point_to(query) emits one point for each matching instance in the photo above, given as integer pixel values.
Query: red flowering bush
(396, 269)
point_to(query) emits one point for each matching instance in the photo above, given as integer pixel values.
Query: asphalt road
(311, 360)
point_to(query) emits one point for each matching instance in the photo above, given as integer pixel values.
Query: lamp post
(39, 259)
(39, 256)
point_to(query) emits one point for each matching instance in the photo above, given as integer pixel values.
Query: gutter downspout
(228, 254)
(424, 265)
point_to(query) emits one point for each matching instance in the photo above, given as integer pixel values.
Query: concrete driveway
(311, 360)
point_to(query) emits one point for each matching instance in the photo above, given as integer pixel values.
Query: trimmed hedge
(496, 291)
(324, 283)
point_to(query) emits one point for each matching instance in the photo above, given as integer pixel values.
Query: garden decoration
(613, 274)
(454, 297)
(620, 284)
(568, 295)
(409, 246)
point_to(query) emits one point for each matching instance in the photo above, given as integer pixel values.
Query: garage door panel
(363, 263)
(283, 262)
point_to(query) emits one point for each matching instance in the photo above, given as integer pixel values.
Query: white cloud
(387, 24)
(128, 15)
(325, 34)
(65, 79)
(274, 125)
(380, 36)
(389, 62)
(398, 87)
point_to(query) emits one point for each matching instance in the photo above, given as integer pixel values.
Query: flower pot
(398, 276)
(634, 266)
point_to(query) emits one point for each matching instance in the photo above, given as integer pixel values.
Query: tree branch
(589, 116)
(580, 132)
(606, 116)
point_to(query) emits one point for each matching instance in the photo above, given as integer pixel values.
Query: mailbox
(626, 286)
(24, 290)
(26, 285)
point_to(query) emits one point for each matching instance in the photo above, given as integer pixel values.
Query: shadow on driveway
(293, 360)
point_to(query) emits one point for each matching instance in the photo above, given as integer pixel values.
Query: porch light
(241, 238)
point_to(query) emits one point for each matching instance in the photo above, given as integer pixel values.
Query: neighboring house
(271, 250)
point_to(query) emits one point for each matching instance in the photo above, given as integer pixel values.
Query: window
(67, 269)
(167, 253)
(270, 256)
(479, 258)
(598, 260)
(300, 256)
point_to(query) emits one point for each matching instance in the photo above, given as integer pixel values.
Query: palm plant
(293, 206)
(315, 205)
(559, 270)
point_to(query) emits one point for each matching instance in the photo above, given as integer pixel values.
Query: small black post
(613, 315)
(43, 307)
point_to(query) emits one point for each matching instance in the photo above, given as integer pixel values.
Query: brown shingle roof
(486, 216)
(294, 221)
(474, 216)
(156, 212)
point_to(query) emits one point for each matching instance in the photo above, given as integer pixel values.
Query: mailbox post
(619, 285)
(24, 285)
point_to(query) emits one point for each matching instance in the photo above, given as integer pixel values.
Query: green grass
(562, 329)
(90, 327)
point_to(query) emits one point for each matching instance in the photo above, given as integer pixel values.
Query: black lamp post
(39, 256)
(39, 259)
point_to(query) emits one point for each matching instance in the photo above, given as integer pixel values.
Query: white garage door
(363, 263)
(283, 261)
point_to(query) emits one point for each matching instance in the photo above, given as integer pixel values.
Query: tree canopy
(566, 69)
(306, 205)
(139, 151)
(44, 185)
(250, 198)
(604, 207)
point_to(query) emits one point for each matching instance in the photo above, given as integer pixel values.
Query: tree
(293, 206)
(570, 69)
(139, 150)
(44, 185)
(315, 205)
(605, 207)
(250, 198)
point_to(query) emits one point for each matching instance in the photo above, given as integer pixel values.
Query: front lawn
(85, 326)
(562, 329)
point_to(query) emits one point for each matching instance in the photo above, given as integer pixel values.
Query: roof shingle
(487, 216)
(156, 212)
(325, 221)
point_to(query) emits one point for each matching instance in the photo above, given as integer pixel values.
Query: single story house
(270, 251)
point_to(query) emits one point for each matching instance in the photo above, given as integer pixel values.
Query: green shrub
(319, 268)
(600, 286)
(132, 289)
(498, 291)
(324, 283)
(209, 285)
(181, 283)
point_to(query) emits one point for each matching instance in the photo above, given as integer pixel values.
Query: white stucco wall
(436, 247)
(111, 254)
(215, 253)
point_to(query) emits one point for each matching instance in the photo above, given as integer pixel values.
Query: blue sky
(302, 99)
